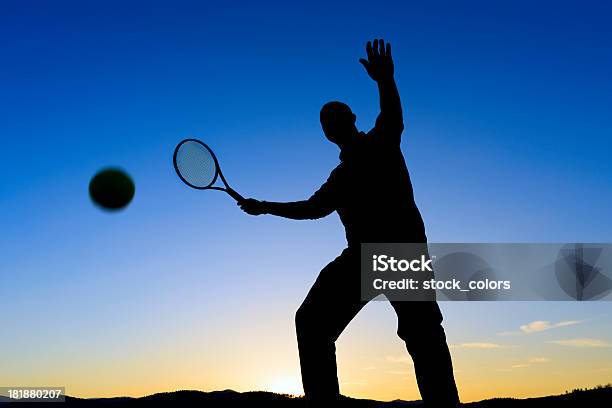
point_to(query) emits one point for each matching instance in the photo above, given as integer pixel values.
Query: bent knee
(425, 337)
(312, 327)
(303, 320)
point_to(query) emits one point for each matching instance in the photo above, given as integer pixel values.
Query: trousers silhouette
(334, 300)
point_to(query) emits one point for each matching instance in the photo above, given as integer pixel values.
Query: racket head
(195, 164)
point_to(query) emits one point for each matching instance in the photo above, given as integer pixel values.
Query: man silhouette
(372, 193)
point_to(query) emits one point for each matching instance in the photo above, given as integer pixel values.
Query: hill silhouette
(598, 397)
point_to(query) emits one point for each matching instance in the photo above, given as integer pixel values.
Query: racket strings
(196, 164)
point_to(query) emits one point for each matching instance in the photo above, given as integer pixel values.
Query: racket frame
(218, 173)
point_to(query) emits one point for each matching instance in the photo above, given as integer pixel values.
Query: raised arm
(379, 67)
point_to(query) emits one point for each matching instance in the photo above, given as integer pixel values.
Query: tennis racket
(197, 166)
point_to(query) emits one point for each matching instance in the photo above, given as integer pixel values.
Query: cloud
(370, 368)
(541, 325)
(538, 360)
(479, 346)
(532, 361)
(583, 342)
(399, 359)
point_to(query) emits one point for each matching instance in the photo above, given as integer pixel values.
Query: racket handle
(234, 195)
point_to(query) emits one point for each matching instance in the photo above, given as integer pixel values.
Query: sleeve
(319, 205)
(389, 127)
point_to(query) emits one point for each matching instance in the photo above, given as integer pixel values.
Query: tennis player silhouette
(372, 193)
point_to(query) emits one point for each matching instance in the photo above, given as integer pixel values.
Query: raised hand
(379, 64)
(252, 206)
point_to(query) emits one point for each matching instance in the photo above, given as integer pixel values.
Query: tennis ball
(111, 189)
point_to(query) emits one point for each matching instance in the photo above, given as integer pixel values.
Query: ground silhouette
(597, 397)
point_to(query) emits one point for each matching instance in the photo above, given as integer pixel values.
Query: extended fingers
(369, 50)
(378, 48)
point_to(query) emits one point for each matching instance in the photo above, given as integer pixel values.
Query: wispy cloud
(532, 361)
(541, 325)
(538, 326)
(477, 345)
(583, 342)
(538, 360)
(369, 368)
(399, 359)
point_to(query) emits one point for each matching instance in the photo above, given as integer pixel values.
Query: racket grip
(235, 195)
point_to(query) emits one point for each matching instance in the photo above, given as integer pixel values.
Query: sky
(507, 139)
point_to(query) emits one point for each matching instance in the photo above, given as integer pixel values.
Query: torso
(375, 199)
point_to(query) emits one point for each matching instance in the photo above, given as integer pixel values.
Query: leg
(330, 305)
(419, 325)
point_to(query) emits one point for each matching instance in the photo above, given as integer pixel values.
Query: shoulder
(392, 122)
(337, 171)
(385, 132)
(381, 138)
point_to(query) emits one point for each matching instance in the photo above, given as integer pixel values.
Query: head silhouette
(338, 123)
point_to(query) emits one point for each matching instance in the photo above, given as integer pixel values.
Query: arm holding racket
(295, 210)
(319, 205)
(379, 67)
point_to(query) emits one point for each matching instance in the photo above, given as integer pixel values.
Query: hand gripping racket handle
(234, 195)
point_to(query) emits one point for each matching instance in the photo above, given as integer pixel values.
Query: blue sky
(507, 139)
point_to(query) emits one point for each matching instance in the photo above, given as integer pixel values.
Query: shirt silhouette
(372, 193)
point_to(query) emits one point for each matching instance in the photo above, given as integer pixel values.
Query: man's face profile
(338, 122)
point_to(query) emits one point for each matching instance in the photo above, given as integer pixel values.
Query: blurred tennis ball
(111, 189)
